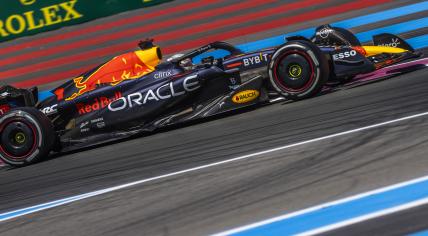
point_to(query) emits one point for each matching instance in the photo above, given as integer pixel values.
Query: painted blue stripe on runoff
(40, 207)
(34, 209)
(418, 42)
(341, 212)
(422, 233)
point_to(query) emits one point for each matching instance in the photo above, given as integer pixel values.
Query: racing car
(136, 92)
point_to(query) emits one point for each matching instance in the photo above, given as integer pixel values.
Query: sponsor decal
(205, 48)
(344, 55)
(27, 2)
(325, 32)
(234, 83)
(84, 124)
(84, 130)
(395, 42)
(163, 92)
(162, 74)
(50, 110)
(43, 17)
(254, 60)
(245, 96)
(4, 109)
(97, 104)
(99, 122)
(27, 17)
(101, 125)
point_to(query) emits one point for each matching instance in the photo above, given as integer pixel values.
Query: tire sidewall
(39, 141)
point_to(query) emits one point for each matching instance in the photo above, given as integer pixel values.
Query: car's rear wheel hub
(17, 139)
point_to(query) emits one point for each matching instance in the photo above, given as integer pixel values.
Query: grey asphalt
(230, 195)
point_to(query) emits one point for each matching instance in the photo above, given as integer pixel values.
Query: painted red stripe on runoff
(127, 46)
(130, 32)
(277, 23)
(226, 35)
(104, 26)
(239, 19)
(52, 78)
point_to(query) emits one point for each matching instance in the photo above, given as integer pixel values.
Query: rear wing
(17, 97)
(390, 40)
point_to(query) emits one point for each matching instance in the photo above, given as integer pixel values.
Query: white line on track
(25, 211)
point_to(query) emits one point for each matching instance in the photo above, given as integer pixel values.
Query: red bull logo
(99, 103)
(128, 66)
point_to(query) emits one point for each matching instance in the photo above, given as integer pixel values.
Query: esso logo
(344, 55)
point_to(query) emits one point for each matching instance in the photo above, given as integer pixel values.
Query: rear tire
(26, 136)
(298, 70)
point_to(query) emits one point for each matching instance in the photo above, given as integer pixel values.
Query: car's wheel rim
(18, 139)
(294, 71)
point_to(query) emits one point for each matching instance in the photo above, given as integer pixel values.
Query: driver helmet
(186, 64)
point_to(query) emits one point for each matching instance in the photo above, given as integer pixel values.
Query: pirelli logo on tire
(245, 96)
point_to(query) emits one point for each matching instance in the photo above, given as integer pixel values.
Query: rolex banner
(26, 17)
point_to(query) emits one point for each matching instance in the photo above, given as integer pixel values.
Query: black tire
(298, 70)
(26, 136)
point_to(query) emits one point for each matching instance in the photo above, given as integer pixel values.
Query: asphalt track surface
(224, 197)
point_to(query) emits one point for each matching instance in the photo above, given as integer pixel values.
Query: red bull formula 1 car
(136, 92)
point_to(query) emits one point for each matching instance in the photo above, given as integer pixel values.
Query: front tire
(298, 70)
(26, 136)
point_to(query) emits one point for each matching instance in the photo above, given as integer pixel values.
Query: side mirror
(146, 44)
